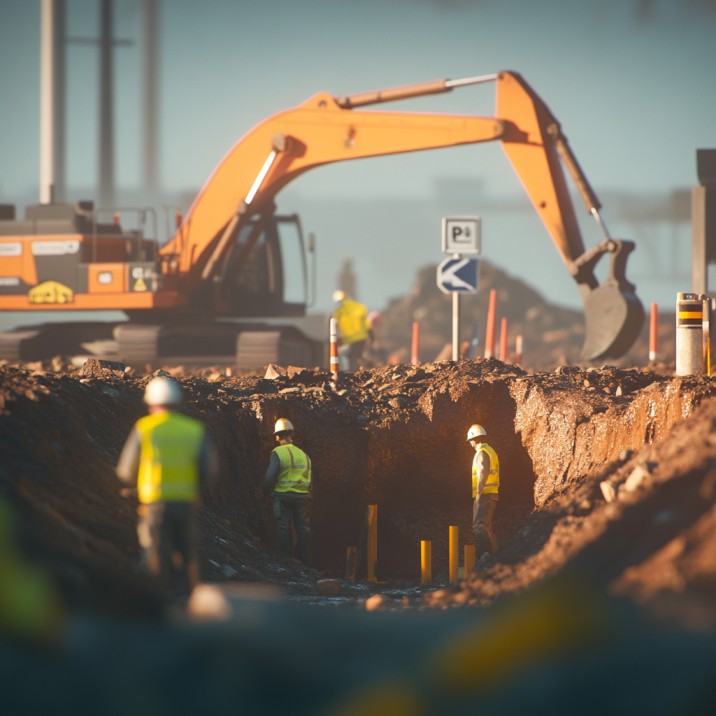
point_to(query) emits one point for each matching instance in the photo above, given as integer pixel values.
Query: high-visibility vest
(295, 475)
(169, 457)
(352, 320)
(492, 484)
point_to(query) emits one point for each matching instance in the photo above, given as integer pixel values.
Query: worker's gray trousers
(167, 541)
(293, 513)
(351, 355)
(483, 510)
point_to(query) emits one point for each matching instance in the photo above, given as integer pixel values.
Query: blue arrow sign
(458, 275)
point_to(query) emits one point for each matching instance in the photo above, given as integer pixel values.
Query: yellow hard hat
(283, 426)
(475, 431)
(339, 296)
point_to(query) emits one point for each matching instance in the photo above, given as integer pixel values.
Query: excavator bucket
(614, 318)
(612, 312)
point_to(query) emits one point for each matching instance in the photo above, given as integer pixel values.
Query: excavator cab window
(265, 273)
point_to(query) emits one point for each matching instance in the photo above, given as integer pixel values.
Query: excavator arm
(325, 129)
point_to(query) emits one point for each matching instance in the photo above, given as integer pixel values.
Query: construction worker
(353, 328)
(289, 476)
(169, 457)
(485, 489)
(31, 609)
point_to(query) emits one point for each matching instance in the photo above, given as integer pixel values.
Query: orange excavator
(232, 256)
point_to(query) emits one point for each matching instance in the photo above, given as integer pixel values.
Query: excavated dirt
(600, 598)
(609, 488)
(569, 440)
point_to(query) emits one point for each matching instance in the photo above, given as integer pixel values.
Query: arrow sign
(458, 275)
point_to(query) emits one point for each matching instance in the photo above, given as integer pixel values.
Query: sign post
(459, 273)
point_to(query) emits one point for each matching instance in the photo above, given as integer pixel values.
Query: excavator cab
(264, 273)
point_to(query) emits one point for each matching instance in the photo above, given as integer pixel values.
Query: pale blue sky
(633, 83)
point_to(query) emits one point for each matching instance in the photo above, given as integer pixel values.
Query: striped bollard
(689, 334)
(334, 351)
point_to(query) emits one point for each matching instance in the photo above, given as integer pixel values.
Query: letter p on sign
(461, 235)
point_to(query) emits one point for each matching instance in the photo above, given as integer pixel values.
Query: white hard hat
(283, 426)
(339, 296)
(162, 391)
(475, 431)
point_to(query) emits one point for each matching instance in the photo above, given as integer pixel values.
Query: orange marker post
(503, 340)
(490, 331)
(653, 336)
(415, 345)
(518, 350)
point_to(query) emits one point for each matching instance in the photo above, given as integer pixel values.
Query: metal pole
(455, 326)
(150, 91)
(106, 107)
(47, 101)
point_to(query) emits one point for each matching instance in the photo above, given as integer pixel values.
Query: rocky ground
(609, 497)
(601, 593)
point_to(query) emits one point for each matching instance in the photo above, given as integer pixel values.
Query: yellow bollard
(469, 561)
(426, 561)
(372, 556)
(453, 552)
(351, 563)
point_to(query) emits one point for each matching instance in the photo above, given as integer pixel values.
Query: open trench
(393, 437)
(410, 458)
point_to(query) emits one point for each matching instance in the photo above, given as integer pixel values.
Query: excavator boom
(325, 129)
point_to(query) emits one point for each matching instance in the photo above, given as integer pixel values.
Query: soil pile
(606, 525)
(588, 456)
(551, 335)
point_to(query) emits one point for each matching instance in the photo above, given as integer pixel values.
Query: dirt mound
(393, 437)
(551, 335)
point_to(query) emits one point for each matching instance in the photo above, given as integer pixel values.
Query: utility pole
(52, 101)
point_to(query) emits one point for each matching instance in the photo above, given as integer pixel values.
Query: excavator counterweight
(227, 258)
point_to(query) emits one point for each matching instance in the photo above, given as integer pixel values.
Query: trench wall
(414, 463)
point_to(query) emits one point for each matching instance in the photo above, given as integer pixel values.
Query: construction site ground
(600, 598)
(606, 526)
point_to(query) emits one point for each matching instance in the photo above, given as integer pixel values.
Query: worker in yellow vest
(354, 329)
(31, 609)
(289, 477)
(169, 457)
(485, 489)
